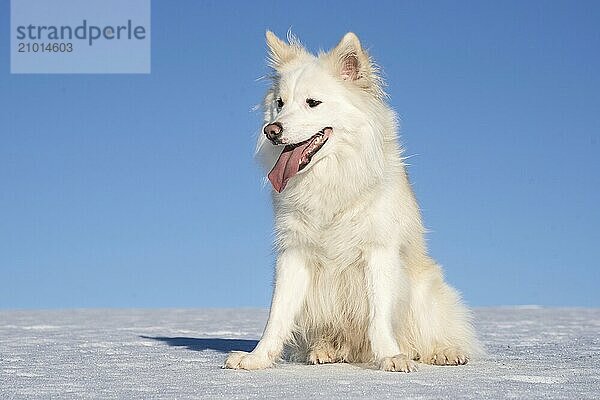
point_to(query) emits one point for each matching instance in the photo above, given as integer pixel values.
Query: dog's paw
(321, 355)
(398, 363)
(448, 356)
(248, 361)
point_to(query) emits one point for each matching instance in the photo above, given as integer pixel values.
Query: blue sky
(141, 190)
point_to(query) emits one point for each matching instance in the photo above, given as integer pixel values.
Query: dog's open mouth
(295, 157)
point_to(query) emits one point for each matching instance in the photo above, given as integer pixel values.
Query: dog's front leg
(388, 291)
(291, 283)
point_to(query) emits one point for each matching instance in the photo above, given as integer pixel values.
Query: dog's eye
(312, 103)
(279, 103)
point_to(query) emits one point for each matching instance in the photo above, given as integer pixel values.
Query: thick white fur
(353, 279)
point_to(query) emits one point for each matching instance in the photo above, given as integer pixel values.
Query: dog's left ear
(353, 64)
(281, 53)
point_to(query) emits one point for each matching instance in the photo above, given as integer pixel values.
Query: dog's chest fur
(333, 232)
(336, 232)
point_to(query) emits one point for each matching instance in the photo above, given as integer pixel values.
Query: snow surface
(177, 354)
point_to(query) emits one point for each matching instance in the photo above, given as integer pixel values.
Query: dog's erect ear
(350, 57)
(352, 63)
(280, 52)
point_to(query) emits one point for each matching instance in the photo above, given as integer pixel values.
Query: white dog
(353, 279)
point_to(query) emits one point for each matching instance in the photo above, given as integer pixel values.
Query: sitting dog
(354, 282)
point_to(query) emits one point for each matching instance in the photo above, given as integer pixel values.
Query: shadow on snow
(199, 344)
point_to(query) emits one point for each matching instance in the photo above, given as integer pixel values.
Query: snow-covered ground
(177, 354)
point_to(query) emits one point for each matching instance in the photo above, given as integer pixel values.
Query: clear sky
(141, 190)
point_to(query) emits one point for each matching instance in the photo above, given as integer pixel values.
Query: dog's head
(314, 104)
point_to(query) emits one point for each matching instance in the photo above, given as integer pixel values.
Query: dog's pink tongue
(286, 166)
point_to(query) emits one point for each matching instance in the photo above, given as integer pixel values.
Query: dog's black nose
(273, 132)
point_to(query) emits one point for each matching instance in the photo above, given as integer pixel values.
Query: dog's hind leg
(441, 329)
